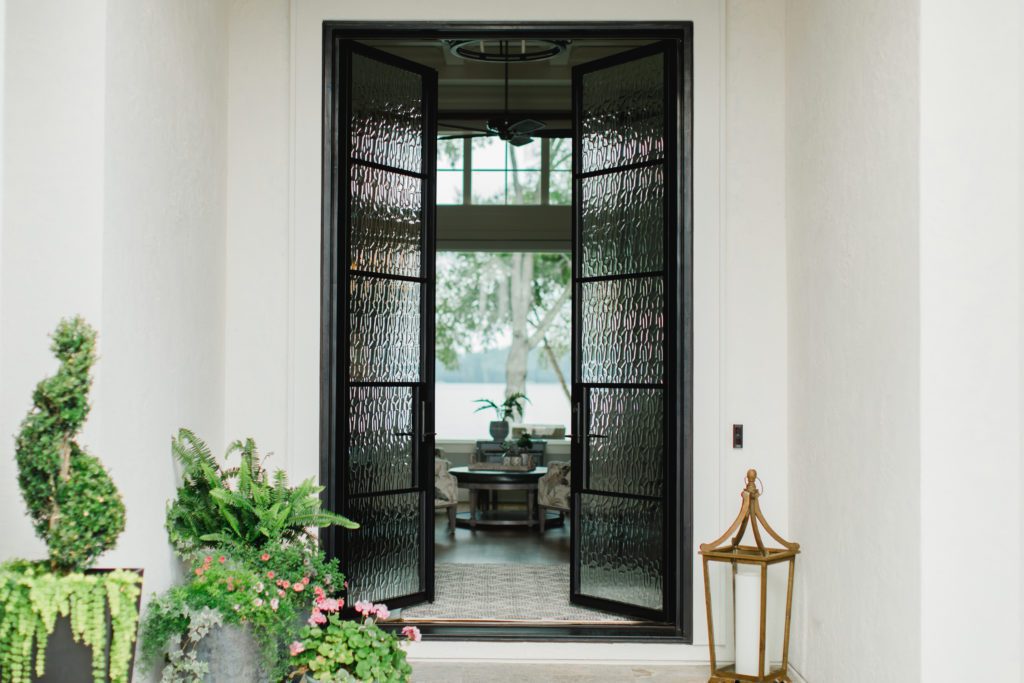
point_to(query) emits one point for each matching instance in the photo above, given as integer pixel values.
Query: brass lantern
(747, 566)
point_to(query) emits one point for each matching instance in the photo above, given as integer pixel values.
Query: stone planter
(499, 430)
(233, 656)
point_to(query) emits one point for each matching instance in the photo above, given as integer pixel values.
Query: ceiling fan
(515, 132)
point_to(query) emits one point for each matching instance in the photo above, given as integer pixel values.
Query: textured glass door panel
(384, 553)
(623, 116)
(387, 114)
(621, 550)
(623, 336)
(623, 222)
(380, 426)
(387, 221)
(625, 446)
(384, 330)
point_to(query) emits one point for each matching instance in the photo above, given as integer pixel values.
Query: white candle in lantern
(748, 619)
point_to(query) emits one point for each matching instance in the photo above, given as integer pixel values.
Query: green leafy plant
(507, 409)
(243, 506)
(77, 510)
(31, 599)
(73, 503)
(267, 594)
(332, 650)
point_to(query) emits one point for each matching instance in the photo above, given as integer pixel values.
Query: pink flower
(207, 560)
(265, 556)
(258, 587)
(305, 580)
(199, 571)
(365, 607)
(382, 611)
(317, 617)
(258, 602)
(298, 587)
(328, 605)
(222, 559)
(273, 604)
(412, 633)
(319, 593)
(296, 647)
(285, 583)
(280, 592)
(270, 575)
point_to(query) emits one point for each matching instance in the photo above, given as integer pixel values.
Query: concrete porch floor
(455, 672)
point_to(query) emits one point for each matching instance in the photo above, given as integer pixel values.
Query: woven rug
(504, 592)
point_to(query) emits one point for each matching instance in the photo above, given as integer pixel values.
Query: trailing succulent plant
(240, 507)
(74, 507)
(71, 499)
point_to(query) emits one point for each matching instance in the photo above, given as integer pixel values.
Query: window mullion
(545, 170)
(467, 171)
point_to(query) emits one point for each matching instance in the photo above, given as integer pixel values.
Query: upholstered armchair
(446, 489)
(553, 491)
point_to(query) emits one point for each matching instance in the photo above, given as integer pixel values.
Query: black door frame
(680, 628)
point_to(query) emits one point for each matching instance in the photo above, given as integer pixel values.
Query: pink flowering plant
(332, 649)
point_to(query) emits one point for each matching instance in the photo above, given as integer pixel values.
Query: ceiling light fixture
(523, 50)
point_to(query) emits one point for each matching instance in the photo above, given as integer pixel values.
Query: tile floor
(448, 672)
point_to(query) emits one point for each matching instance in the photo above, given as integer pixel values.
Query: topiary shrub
(71, 499)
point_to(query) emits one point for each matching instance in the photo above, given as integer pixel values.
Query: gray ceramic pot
(233, 656)
(499, 430)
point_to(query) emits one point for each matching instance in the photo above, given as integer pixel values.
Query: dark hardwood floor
(500, 546)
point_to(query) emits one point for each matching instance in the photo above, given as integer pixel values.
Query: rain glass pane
(626, 444)
(380, 439)
(621, 556)
(384, 330)
(622, 222)
(489, 154)
(623, 114)
(523, 187)
(560, 188)
(488, 187)
(623, 336)
(387, 114)
(449, 187)
(387, 227)
(384, 553)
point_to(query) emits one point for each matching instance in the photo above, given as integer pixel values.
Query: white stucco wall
(852, 256)
(971, 346)
(115, 155)
(740, 295)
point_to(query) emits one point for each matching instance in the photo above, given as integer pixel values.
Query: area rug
(504, 592)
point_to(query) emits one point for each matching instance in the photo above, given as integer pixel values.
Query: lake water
(455, 419)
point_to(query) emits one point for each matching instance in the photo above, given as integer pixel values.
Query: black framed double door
(627, 278)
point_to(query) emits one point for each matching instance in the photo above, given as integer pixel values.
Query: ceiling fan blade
(520, 140)
(463, 136)
(456, 126)
(525, 126)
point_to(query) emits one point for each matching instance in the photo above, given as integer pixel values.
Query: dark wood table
(482, 516)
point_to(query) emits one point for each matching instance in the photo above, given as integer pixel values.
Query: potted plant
(503, 412)
(333, 650)
(77, 510)
(253, 564)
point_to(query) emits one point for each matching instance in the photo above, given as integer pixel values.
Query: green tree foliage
(73, 503)
(482, 296)
(240, 507)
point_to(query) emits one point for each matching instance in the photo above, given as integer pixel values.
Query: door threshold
(513, 631)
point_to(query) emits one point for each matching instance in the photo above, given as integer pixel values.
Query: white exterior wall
(740, 293)
(852, 214)
(971, 410)
(114, 207)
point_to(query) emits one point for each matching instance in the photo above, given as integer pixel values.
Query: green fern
(243, 505)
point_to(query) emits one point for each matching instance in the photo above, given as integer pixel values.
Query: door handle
(598, 436)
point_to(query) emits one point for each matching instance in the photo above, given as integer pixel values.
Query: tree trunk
(520, 299)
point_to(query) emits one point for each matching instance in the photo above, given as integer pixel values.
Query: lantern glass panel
(720, 580)
(775, 621)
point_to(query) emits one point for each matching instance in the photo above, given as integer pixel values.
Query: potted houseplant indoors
(254, 568)
(503, 412)
(77, 510)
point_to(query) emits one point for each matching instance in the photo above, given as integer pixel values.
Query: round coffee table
(500, 480)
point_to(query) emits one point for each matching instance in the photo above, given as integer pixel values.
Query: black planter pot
(68, 661)
(499, 430)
